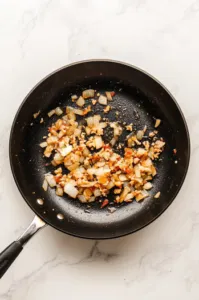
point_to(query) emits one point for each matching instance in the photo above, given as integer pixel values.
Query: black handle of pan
(8, 255)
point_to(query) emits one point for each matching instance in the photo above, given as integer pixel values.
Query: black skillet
(139, 100)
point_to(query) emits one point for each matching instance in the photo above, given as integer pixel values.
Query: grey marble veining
(161, 37)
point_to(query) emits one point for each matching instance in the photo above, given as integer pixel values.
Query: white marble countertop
(161, 37)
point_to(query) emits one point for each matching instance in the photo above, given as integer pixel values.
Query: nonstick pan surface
(140, 99)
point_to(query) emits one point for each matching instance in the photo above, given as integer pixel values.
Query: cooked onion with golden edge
(51, 113)
(157, 123)
(88, 94)
(109, 96)
(93, 167)
(36, 114)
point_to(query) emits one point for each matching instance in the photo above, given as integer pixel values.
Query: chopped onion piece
(78, 112)
(110, 185)
(102, 171)
(43, 145)
(90, 121)
(113, 141)
(59, 191)
(157, 123)
(140, 134)
(36, 114)
(88, 93)
(82, 198)
(108, 95)
(102, 100)
(98, 142)
(48, 151)
(97, 193)
(52, 140)
(147, 186)
(86, 152)
(123, 177)
(58, 158)
(87, 193)
(51, 113)
(80, 102)
(129, 197)
(159, 144)
(58, 111)
(45, 185)
(58, 170)
(124, 193)
(88, 130)
(116, 128)
(74, 97)
(96, 119)
(137, 170)
(91, 199)
(51, 180)
(141, 152)
(66, 150)
(71, 190)
(157, 195)
(141, 195)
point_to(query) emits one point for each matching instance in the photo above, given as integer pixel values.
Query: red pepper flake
(112, 94)
(107, 146)
(104, 203)
(128, 170)
(57, 177)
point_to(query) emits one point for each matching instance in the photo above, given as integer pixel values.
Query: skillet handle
(8, 255)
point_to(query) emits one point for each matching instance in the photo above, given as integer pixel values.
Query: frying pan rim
(108, 61)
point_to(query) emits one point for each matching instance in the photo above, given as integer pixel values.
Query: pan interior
(139, 100)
